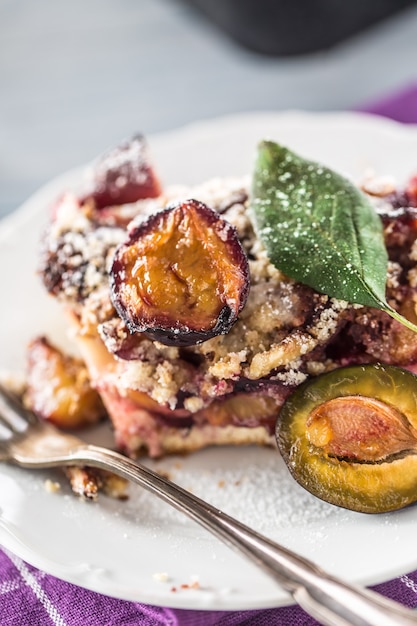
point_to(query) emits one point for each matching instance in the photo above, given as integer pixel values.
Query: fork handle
(326, 598)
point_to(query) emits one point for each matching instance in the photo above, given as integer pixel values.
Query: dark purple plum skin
(122, 175)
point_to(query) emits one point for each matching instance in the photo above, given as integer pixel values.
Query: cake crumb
(164, 474)
(229, 366)
(52, 486)
(194, 583)
(161, 577)
(193, 404)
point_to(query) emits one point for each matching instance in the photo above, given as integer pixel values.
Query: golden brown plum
(182, 275)
(58, 387)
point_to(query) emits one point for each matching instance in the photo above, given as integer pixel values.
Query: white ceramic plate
(120, 549)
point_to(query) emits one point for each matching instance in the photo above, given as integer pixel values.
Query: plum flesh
(350, 437)
(182, 276)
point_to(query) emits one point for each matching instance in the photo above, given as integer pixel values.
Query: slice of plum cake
(189, 334)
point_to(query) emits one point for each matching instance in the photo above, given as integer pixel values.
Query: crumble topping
(76, 262)
(285, 333)
(160, 380)
(228, 366)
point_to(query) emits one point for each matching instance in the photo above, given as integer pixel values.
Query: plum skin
(182, 276)
(387, 484)
(122, 175)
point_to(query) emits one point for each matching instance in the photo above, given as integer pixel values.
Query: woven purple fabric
(29, 597)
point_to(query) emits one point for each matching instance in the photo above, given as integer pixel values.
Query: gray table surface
(76, 77)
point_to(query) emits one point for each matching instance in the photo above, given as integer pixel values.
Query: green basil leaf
(319, 228)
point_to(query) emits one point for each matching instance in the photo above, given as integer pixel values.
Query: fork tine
(13, 419)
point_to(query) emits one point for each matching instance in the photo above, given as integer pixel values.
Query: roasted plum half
(122, 175)
(350, 437)
(182, 276)
(58, 387)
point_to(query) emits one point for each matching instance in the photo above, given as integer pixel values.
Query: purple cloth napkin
(29, 597)
(401, 106)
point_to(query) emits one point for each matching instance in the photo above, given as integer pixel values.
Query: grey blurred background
(78, 76)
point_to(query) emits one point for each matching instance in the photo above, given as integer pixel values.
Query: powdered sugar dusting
(252, 485)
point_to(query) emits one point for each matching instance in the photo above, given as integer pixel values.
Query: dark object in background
(290, 27)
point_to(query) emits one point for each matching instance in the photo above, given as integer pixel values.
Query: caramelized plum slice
(123, 175)
(350, 437)
(58, 387)
(182, 276)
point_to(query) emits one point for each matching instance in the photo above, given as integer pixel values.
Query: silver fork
(27, 442)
